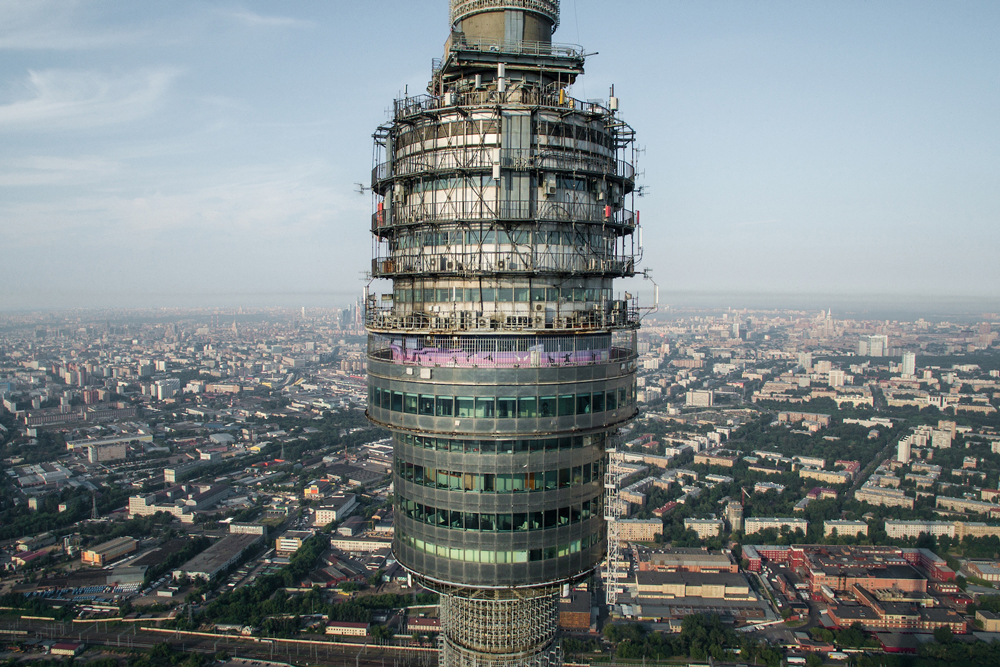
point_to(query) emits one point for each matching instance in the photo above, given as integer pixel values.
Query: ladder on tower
(615, 509)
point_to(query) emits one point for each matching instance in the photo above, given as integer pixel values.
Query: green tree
(943, 635)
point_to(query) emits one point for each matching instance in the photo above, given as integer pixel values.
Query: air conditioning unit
(539, 307)
(449, 265)
(500, 264)
(549, 185)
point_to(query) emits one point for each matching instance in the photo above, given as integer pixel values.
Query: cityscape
(307, 357)
(829, 484)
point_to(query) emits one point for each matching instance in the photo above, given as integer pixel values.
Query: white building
(909, 363)
(336, 508)
(168, 388)
(806, 361)
(903, 450)
(704, 527)
(898, 529)
(758, 523)
(699, 398)
(844, 527)
(873, 346)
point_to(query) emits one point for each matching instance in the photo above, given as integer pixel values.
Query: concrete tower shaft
(501, 359)
(506, 20)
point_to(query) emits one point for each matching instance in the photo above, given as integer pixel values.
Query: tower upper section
(503, 204)
(509, 20)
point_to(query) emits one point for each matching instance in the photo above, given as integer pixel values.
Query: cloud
(54, 170)
(253, 19)
(253, 230)
(262, 202)
(55, 25)
(65, 99)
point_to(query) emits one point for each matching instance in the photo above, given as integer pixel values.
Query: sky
(205, 153)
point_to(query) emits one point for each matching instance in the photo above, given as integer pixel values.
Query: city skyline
(206, 154)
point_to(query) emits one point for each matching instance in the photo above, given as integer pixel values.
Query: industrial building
(335, 508)
(291, 541)
(179, 473)
(248, 528)
(662, 596)
(213, 560)
(723, 586)
(181, 500)
(840, 567)
(347, 629)
(680, 559)
(110, 452)
(895, 610)
(502, 360)
(106, 552)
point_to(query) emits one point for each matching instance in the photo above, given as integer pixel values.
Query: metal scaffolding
(615, 509)
(503, 211)
(500, 628)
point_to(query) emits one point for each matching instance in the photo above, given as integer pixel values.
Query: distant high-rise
(501, 360)
(873, 346)
(806, 361)
(903, 450)
(909, 363)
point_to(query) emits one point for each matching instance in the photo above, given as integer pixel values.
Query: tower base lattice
(500, 628)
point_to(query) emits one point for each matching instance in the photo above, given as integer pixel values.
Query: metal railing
(483, 159)
(388, 318)
(501, 351)
(532, 260)
(450, 211)
(517, 48)
(461, 9)
(420, 104)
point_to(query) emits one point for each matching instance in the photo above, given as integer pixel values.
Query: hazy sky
(205, 153)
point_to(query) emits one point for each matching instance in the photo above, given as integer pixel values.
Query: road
(117, 635)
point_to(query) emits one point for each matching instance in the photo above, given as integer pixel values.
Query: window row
(501, 446)
(475, 237)
(554, 129)
(516, 522)
(522, 294)
(477, 344)
(450, 183)
(447, 129)
(547, 480)
(489, 407)
(490, 557)
(540, 129)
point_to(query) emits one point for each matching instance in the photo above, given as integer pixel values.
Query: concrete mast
(501, 361)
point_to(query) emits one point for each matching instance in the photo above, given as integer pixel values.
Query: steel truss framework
(615, 509)
(500, 628)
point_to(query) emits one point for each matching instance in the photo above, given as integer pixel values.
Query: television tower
(501, 360)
